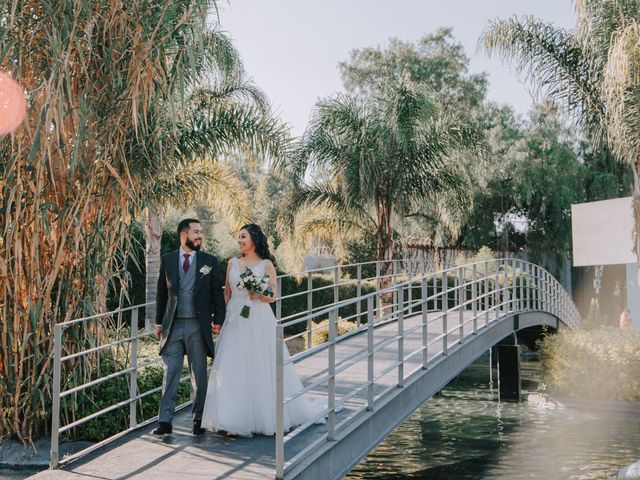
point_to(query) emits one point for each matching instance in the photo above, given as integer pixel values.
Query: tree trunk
(153, 234)
(385, 247)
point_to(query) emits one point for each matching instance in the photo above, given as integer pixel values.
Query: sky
(291, 48)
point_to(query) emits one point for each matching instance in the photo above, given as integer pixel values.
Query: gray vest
(186, 290)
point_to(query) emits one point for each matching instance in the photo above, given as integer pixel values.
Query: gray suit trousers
(185, 337)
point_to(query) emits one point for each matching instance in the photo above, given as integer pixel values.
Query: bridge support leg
(508, 360)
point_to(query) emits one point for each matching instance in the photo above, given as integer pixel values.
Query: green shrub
(601, 363)
(324, 297)
(114, 391)
(320, 333)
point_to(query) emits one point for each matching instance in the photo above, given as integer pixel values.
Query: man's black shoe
(197, 429)
(163, 428)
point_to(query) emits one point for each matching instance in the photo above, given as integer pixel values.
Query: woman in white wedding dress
(241, 396)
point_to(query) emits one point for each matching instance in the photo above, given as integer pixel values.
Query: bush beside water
(603, 363)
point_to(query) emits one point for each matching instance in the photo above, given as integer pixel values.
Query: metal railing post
(536, 282)
(513, 289)
(462, 295)
(445, 328)
(394, 274)
(370, 353)
(378, 304)
(456, 289)
(487, 295)
(55, 407)
(309, 309)
(336, 284)
(545, 288)
(331, 419)
(498, 290)
(401, 337)
(279, 402)
(358, 294)
(527, 268)
(521, 301)
(507, 292)
(474, 297)
(435, 292)
(279, 299)
(425, 334)
(133, 378)
(410, 301)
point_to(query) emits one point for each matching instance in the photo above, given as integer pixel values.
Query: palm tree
(374, 161)
(222, 113)
(107, 85)
(592, 71)
(96, 74)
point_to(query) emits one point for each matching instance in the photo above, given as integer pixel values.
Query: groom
(190, 306)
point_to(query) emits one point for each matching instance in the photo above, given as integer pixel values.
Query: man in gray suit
(190, 307)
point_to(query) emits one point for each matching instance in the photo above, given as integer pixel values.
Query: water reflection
(465, 433)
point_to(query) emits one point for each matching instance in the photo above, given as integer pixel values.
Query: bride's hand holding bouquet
(256, 287)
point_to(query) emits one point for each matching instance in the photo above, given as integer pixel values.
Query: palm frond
(320, 195)
(554, 61)
(222, 128)
(202, 54)
(621, 90)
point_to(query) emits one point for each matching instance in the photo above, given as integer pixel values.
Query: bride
(241, 396)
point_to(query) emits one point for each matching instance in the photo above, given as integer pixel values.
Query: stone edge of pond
(15, 456)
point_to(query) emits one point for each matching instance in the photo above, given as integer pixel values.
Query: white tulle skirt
(241, 395)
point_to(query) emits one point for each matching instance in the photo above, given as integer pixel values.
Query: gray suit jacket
(208, 297)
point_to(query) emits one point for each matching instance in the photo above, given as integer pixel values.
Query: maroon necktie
(185, 264)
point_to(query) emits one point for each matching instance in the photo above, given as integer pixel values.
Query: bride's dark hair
(260, 241)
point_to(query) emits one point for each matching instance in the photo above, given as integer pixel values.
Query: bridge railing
(111, 338)
(354, 293)
(115, 336)
(461, 301)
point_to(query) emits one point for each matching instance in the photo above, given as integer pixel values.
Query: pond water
(16, 474)
(467, 433)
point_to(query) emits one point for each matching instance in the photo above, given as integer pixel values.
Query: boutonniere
(205, 270)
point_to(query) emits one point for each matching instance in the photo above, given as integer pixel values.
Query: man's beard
(193, 246)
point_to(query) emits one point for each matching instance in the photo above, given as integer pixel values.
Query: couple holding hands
(239, 396)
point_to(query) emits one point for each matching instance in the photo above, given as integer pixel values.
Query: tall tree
(592, 71)
(377, 159)
(436, 60)
(439, 63)
(95, 73)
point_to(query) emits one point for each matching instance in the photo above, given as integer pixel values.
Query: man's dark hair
(185, 224)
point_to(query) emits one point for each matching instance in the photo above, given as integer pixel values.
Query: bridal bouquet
(252, 283)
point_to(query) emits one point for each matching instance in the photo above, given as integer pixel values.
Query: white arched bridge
(374, 341)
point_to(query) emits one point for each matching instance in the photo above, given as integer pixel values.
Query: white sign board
(603, 232)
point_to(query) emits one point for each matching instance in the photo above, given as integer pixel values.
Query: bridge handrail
(336, 271)
(401, 274)
(506, 286)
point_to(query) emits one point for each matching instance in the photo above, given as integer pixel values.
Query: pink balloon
(13, 106)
